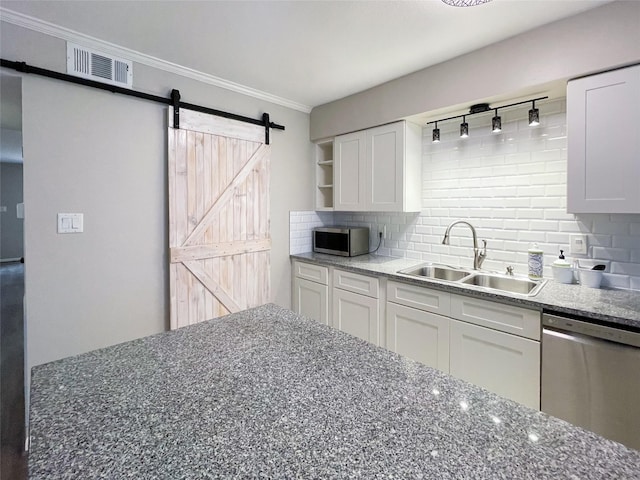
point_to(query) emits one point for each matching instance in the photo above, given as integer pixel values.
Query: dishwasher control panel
(591, 329)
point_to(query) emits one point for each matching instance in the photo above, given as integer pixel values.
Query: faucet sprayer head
(445, 240)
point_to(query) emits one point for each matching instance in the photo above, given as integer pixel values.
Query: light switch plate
(578, 245)
(70, 223)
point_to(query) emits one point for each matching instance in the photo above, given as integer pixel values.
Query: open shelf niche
(324, 174)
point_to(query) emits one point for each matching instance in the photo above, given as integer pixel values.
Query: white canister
(536, 262)
(562, 270)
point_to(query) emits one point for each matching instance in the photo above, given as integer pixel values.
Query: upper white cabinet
(603, 133)
(379, 169)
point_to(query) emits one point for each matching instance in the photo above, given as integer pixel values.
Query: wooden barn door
(218, 217)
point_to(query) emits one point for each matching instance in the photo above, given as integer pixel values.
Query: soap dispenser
(562, 270)
(536, 262)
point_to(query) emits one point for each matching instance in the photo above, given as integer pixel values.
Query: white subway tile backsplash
(627, 242)
(619, 254)
(615, 228)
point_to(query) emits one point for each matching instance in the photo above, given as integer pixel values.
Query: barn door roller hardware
(174, 101)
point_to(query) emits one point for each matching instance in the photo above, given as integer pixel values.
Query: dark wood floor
(13, 463)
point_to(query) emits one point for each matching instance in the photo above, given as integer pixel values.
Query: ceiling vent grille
(86, 63)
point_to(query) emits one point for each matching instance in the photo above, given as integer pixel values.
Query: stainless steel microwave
(343, 241)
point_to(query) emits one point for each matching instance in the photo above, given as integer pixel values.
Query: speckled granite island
(266, 393)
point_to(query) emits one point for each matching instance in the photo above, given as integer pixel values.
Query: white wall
(104, 155)
(512, 187)
(540, 60)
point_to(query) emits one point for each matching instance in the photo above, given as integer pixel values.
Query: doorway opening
(12, 332)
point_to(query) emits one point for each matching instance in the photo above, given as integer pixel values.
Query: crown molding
(47, 28)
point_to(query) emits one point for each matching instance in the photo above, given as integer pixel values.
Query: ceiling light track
(496, 121)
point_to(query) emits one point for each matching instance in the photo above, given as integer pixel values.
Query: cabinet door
(311, 299)
(357, 315)
(349, 167)
(603, 135)
(500, 362)
(419, 335)
(384, 173)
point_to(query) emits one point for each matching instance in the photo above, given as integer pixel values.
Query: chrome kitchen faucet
(478, 256)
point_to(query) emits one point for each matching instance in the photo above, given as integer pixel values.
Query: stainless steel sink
(504, 283)
(438, 272)
(475, 278)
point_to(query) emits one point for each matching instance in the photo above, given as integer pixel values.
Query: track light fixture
(496, 121)
(464, 128)
(436, 134)
(534, 115)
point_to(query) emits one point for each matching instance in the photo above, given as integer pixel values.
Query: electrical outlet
(578, 245)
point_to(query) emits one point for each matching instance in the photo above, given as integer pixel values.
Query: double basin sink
(484, 280)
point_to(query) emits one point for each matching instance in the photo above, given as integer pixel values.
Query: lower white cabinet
(489, 344)
(311, 291)
(500, 362)
(419, 335)
(357, 315)
(311, 299)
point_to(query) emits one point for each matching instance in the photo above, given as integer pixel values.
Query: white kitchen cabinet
(356, 308)
(311, 299)
(378, 169)
(490, 344)
(500, 362)
(416, 323)
(603, 142)
(356, 315)
(349, 177)
(497, 347)
(419, 335)
(311, 291)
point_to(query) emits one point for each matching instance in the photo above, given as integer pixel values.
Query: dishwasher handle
(583, 327)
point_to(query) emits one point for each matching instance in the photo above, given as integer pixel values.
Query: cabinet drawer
(421, 298)
(356, 283)
(309, 271)
(505, 318)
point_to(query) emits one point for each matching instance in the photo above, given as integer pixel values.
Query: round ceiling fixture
(465, 3)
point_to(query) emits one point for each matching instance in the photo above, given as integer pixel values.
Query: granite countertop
(266, 393)
(607, 305)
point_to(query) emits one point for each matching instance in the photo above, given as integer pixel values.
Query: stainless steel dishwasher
(591, 377)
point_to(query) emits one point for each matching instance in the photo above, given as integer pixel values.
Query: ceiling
(308, 52)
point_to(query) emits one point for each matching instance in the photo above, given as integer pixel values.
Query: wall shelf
(324, 175)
